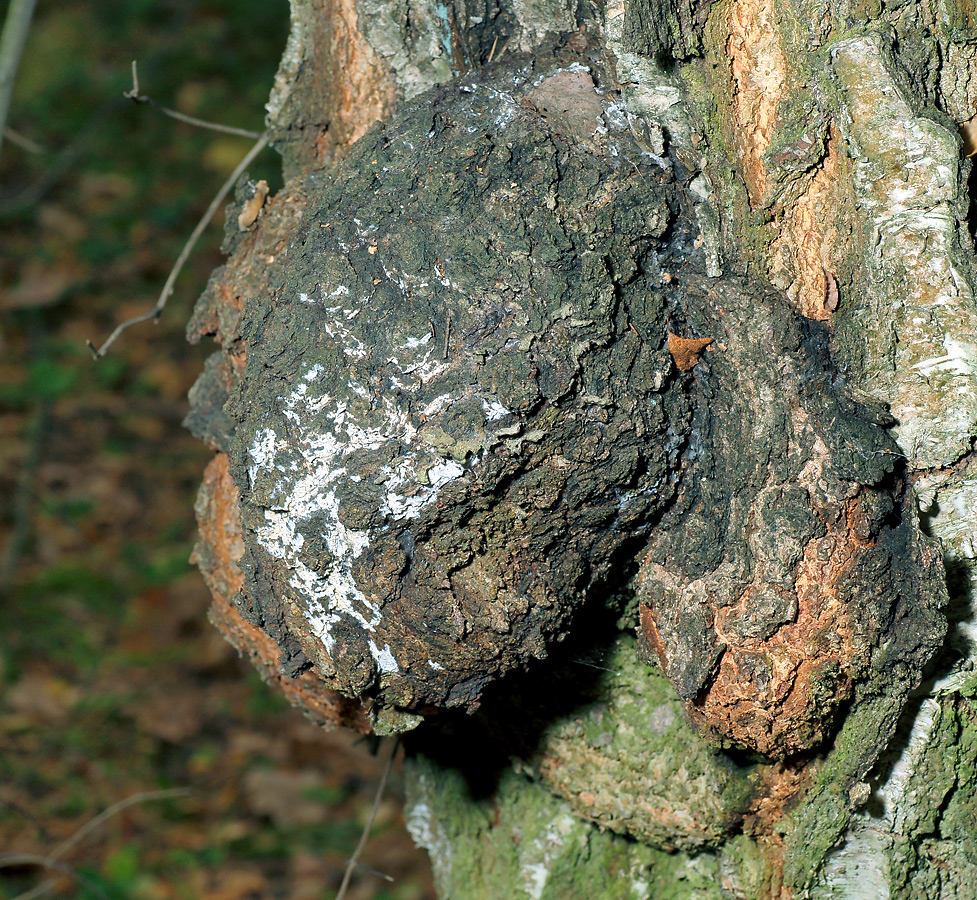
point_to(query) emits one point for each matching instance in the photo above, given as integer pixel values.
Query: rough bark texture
(786, 573)
(446, 429)
(657, 315)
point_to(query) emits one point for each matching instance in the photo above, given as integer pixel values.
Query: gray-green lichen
(665, 29)
(426, 43)
(958, 80)
(647, 773)
(657, 108)
(413, 38)
(288, 66)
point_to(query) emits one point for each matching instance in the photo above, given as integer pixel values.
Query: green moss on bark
(523, 842)
(626, 758)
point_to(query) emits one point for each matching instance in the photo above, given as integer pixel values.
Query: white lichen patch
(507, 109)
(426, 829)
(494, 411)
(538, 856)
(859, 870)
(333, 592)
(405, 496)
(298, 472)
(437, 405)
(626, 499)
(384, 658)
(640, 889)
(262, 453)
(413, 343)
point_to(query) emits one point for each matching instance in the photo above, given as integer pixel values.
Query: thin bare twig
(137, 96)
(376, 872)
(114, 810)
(62, 161)
(353, 861)
(24, 142)
(66, 158)
(9, 860)
(215, 204)
(51, 860)
(15, 28)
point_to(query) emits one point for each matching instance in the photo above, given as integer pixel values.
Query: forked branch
(215, 204)
(137, 96)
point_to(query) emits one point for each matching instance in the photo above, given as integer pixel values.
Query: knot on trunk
(452, 416)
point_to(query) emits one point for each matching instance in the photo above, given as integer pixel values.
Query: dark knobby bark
(459, 413)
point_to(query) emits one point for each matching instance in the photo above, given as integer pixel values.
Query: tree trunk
(592, 406)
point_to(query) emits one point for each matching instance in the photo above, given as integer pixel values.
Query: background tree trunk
(822, 151)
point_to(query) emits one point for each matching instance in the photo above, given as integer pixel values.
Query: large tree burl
(451, 414)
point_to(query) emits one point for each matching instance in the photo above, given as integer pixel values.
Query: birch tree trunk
(592, 405)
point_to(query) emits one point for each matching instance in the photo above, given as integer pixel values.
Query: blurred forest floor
(112, 683)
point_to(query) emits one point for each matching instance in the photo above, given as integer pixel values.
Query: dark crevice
(972, 206)
(516, 710)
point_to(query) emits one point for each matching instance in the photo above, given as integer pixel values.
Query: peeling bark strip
(448, 429)
(917, 328)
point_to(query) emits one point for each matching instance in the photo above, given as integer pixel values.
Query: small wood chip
(251, 209)
(830, 291)
(968, 131)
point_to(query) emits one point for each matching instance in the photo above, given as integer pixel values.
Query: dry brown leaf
(170, 712)
(101, 190)
(830, 291)
(42, 697)
(283, 796)
(238, 882)
(686, 351)
(41, 285)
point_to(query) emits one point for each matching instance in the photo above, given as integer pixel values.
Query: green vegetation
(112, 682)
